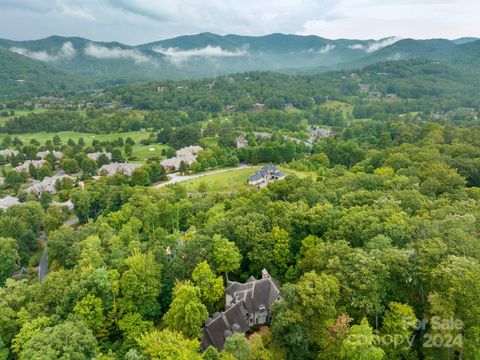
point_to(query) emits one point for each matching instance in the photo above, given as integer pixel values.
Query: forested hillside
(209, 55)
(372, 237)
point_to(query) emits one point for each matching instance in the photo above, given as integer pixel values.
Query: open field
(140, 151)
(229, 181)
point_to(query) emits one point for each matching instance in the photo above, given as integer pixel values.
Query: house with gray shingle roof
(267, 174)
(9, 201)
(246, 305)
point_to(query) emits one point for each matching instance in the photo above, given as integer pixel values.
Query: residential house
(364, 87)
(289, 106)
(7, 153)
(246, 305)
(230, 108)
(258, 107)
(375, 94)
(9, 201)
(94, 156)
(118, 168)
(266, 175)
(43, 154)
(241, 142)
(321, 132)
(188, 155)
(48, 184)
(24, 168)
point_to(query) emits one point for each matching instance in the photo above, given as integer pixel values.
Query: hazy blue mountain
(465, 40)
(207, 54)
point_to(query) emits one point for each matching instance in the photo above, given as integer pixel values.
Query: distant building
(262, 135)
(241, 142)
(266, 175)
(246, 305)
(188, 155)
(7, 153)
(289, 106)
(230, 108)
(364, 87)
(43, 154)
(24, 168)
(322, 133)
(392, 96)
(94, 156)
(118, 168)
(375, 94)
(258, 107)
(48, 184)
(9, 201)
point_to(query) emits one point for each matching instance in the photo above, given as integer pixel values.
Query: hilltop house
(118, 168)
(246, 305)
(188, 155)
(266, 175)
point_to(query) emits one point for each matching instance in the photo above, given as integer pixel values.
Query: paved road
(175, 178)
(71, 221)
(43, 266)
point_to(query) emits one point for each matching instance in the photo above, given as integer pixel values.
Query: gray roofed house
(8, 201)
(8, 152)
(48, 184)
(118, 168)
(188, 155)
(23, 168)
(95, 155)
(266, 175)
(246, 304)
(43, 154)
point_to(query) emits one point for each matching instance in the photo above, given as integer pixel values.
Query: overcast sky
(141, 21)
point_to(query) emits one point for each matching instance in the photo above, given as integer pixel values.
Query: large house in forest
(268, 174)
(246, 305)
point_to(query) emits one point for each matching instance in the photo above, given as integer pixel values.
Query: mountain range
(86, 62)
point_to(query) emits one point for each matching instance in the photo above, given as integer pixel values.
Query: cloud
(178, 56)
(381, 44)
(103, 52)
(357, 47)
(66, 52)
(376, 45)
(142, 21)
(324, 50)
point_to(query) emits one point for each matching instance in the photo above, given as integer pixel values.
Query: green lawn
(207, 142)
(140, 151)
(230, 181)
(338, 105)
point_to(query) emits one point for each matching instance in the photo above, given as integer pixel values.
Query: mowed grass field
(140, 151)
(229, 181)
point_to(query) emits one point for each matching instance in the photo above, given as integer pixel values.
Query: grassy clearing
(338, 105)
(230, 181)
(140, 151)
(65, 135)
